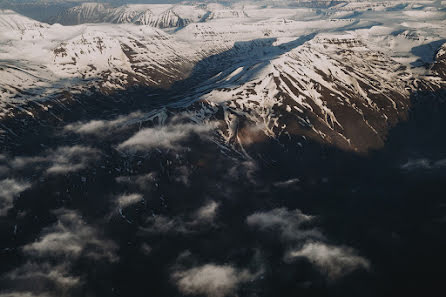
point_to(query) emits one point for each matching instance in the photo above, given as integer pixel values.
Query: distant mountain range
(345, 88)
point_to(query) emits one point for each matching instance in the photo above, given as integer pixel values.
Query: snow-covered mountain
(439, 66)
(155, 15)
(335, 78)
(10, 20)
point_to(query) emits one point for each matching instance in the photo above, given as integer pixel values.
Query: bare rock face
(331, 89)
(439, 66)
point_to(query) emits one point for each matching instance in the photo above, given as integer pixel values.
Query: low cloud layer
(423, 164)
(331, 260)
(101, 127)
(125, 200)
(71, 237)
(45, 274)
(63, 160)
(23, 294)
(207, 212)
(303, 240)
(289, 224)
(49, 267)
(143, 182)
(160, 224)
(211, 280)
(287, 183)
(203, 217)
(10, 188)
(164, 137)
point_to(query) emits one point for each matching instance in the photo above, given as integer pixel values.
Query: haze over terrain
(262, 148)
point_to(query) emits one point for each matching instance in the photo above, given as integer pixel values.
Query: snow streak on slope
(155, 15)
(341, 75)
(43, 60)
(12, 21)
(332, 88)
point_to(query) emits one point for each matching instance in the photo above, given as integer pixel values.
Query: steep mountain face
(54, 59)
(84, 13)
(116, 60)
(332, 89)
(160, 16)
(10, 20)
(439, 66)
(225, 14)
(263, 79)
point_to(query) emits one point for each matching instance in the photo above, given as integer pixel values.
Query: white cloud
(423, 164)
(202, 217)
(23, 294)
(60, 161)
(288, 223)
(57, 275)
(211, 280)
(331, 260)
(71, 237)
(22, 162)
(287, 183)
(70, 159)
(161, 224)
(166, 137)
(207, 212)
(100, 128)
(48, 271)
(144, 182)
(10, 188)
(128, 199)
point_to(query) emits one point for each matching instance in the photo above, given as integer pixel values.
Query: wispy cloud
(10, 188)
(23, 294)
(160, 224)
(207, 213)
(211, 280)
(70, 159)
(303, 240)
(423, 164)
(71, 237)
(48, 270)
(287, 223)
(125, 200)
(166, 137)
(334, 261)
(204, 217)
(287, 183)
(144, 181)
(102, 127)
(63, 160)
(47, 274)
